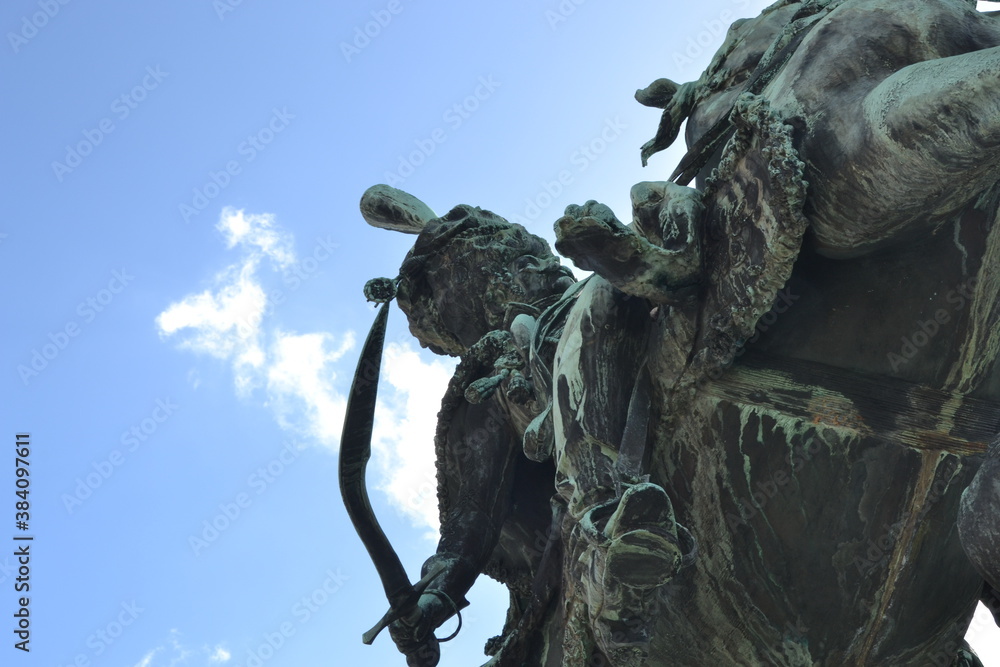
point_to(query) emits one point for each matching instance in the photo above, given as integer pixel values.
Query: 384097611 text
(22, 542)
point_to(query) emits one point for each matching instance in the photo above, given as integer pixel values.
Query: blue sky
(186, 257)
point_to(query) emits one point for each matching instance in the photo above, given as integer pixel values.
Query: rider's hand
(414, 636)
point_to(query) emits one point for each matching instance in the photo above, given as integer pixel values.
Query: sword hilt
(408, 610)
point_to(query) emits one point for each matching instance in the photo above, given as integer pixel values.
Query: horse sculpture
(760, 433)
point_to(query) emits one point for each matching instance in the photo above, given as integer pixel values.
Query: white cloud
(227, 321)
(148, 658)
(984, 636)
(306, 375)
(258, 234)
(173, 652)
(235, 306)
(300, 377)
(220, 655)
(403, 437)
(224, 322)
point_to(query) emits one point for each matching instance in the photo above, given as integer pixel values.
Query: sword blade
(355, 451)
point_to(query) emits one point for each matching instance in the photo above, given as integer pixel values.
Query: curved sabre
(355, 450)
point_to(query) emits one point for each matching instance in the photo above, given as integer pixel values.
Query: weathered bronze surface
(760, 433)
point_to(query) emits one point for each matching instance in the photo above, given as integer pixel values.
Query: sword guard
(395, 614)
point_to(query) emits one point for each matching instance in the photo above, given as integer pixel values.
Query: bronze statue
(757, 435)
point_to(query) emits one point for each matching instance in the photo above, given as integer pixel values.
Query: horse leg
(929, 145)
(979, 518)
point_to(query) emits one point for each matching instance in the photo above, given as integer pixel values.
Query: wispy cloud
(226, 319)
(258, 234)
(174, 652)
(303, 378)
(148, 658)
(300, 381)
(223, 321)
(220, 655)
(403, 436)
